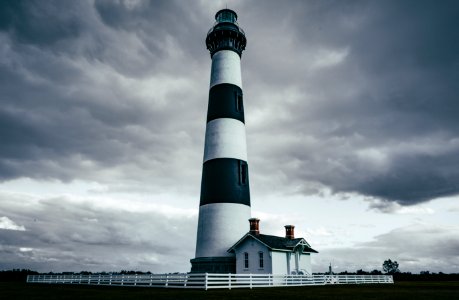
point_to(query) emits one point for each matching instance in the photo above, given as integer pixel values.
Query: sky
(351, 112)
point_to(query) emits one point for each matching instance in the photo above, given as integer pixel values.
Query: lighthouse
(225, 197)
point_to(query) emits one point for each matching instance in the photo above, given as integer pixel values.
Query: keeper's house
(267, 254)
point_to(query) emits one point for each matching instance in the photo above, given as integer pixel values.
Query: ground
(399, 290)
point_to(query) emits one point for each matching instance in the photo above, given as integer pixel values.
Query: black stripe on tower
(225, 101)
(225, 180)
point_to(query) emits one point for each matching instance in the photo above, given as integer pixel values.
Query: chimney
(254, 226)
(290, 231)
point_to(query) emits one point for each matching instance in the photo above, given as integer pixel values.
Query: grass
(399, 290)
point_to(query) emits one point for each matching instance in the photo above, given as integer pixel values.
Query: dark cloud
(365, 97)
(38, 23)
(361, 96)
(163, 28)
(356, 97)
(72, 108)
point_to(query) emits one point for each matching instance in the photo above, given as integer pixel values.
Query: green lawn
(399, 290)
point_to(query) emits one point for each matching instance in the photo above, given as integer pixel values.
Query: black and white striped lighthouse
(225, 198)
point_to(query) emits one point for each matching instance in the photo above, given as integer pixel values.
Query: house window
(260, 259)
(246, 260)
(242, 172)
(239, 103)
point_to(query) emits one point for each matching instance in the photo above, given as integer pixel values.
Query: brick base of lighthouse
(213, 265)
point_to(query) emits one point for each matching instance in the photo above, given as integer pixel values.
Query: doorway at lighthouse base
(213, 265)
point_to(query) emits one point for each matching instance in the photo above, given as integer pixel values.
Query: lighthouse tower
(225, 198)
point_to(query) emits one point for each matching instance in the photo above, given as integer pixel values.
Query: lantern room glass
(226, 16)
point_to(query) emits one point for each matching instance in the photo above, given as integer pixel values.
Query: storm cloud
(362, 95)
(348, 100)
(365, 97)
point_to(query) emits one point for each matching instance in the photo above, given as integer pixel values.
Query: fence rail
(209, 281)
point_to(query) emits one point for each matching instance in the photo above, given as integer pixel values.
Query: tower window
(246, 260)
(260, 259)
(242, 172)
(239, 103)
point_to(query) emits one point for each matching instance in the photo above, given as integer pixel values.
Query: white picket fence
(209, 281)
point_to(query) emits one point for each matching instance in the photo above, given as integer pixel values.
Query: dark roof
(277, 242)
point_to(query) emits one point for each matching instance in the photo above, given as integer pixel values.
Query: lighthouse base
(213, 265)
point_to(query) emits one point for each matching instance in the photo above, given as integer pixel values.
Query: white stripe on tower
(225, 138)
(217, 226)
(226, 68)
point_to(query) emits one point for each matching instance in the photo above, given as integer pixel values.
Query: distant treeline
(407, 276)
(21, 274)
(16, 275)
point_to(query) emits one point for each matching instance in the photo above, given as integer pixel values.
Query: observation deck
(226, 33)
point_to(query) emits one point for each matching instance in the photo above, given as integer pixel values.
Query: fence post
(151, 279)
(229, 281)
(205, 281)
(250, 280)
(167, 280)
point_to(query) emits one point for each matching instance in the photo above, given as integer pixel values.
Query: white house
(267, 254)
